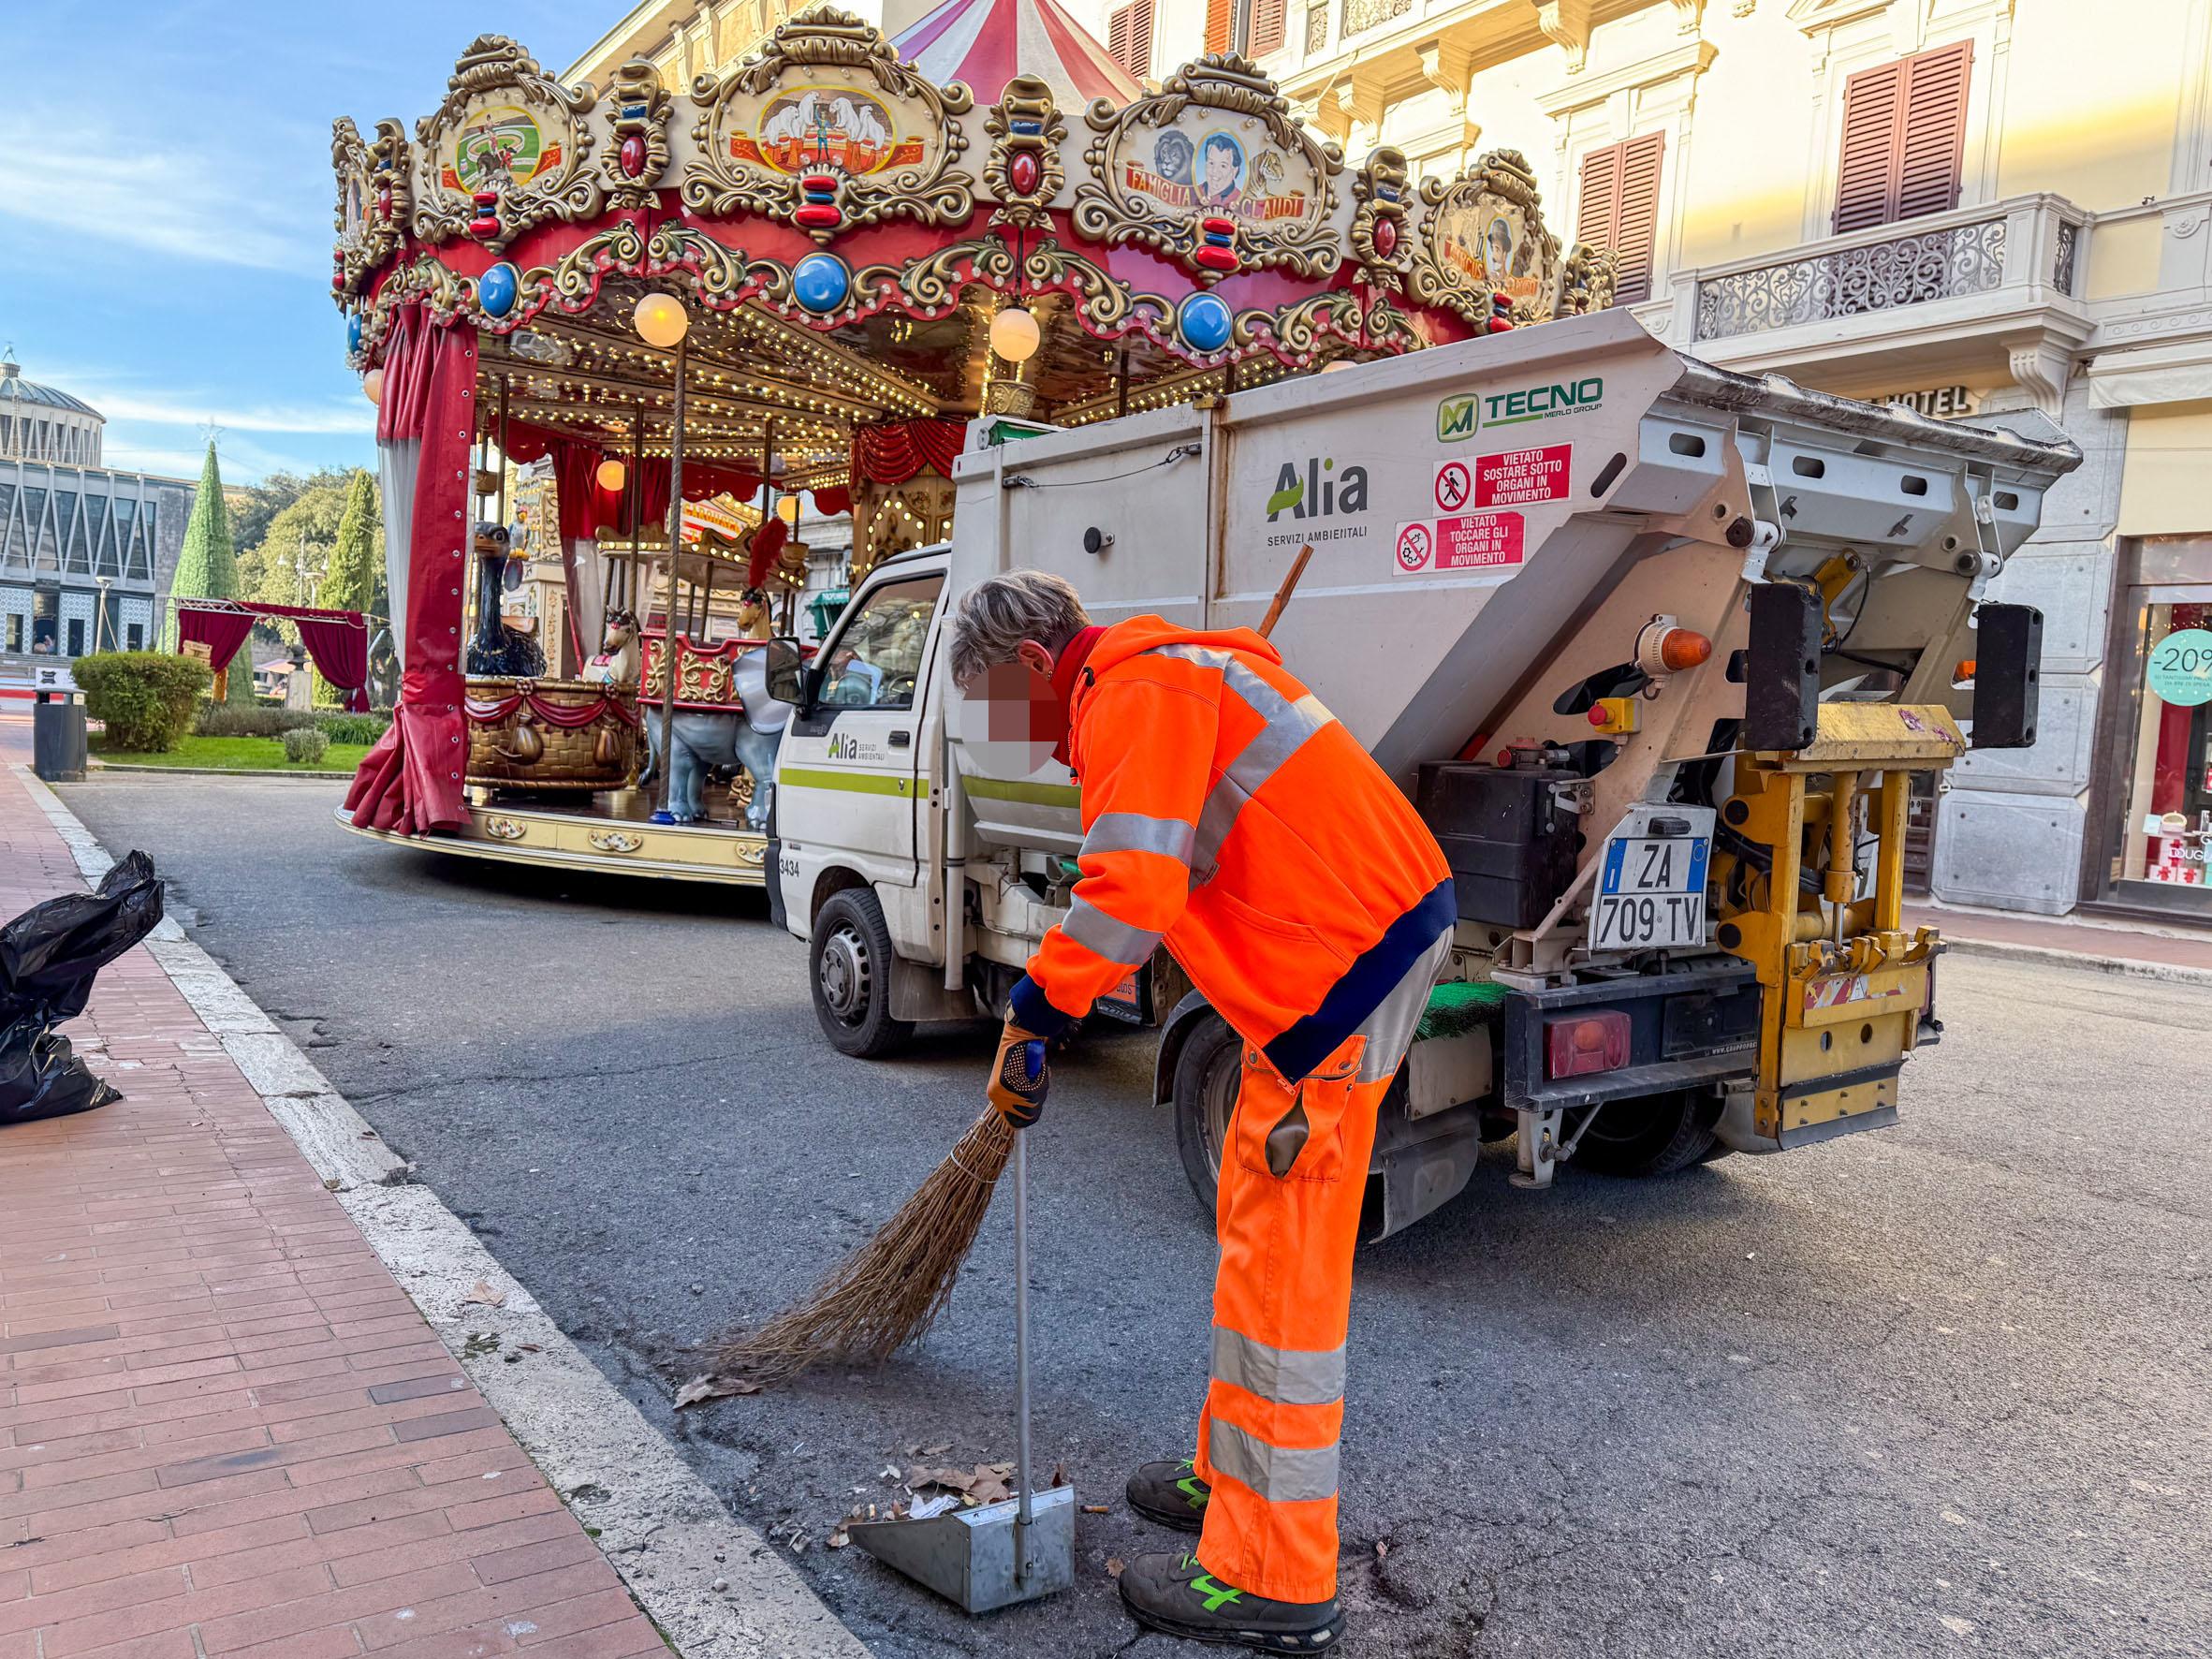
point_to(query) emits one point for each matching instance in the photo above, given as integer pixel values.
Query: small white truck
(1657, 650)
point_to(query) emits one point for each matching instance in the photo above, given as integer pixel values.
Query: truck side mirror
(787, 672)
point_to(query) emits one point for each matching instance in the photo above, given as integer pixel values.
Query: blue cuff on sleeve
(1033, 1013)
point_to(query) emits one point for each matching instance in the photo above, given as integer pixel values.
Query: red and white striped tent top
(986, 43)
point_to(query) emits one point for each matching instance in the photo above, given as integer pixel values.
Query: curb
(662, 1530)
(2043, 956)
(96, 766)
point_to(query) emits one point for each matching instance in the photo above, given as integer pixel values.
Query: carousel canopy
(986, 43)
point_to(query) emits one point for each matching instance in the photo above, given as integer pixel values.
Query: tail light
(1576, 1044)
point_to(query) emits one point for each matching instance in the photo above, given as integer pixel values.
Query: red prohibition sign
(1452, 486)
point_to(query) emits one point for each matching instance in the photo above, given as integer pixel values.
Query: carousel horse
(707, 738)
(619, 660)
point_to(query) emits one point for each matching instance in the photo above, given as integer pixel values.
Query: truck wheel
(1655, 1135)
(851, 958)
(1207, 1075)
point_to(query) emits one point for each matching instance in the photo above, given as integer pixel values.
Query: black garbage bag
(48, 957)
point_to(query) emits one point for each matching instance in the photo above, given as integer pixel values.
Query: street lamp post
(99, 617)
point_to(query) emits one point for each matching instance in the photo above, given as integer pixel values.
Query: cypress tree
(208, 569)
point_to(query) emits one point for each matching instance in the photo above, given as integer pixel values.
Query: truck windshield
(878, 657)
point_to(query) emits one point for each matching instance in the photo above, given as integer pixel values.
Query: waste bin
(57, 738)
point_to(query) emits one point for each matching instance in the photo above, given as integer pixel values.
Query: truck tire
(1652, 1134)
(850, 959)
(1207, 1075)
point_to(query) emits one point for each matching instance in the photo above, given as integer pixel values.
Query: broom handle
(1021, 1339)
(1283, 594)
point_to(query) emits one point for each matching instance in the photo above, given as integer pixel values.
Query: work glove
(1020, 1077)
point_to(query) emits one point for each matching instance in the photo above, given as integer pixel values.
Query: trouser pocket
(1296, 1131)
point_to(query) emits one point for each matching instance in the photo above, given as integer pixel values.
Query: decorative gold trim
(1380, 189)
(1505, 176)
(823, 38)
(1106, 212)
(752, 855)
(1587, 281)
(1027, 103)
(504, 829)
(640, 108)
(370, 225)
(615, 841)
(569, 190)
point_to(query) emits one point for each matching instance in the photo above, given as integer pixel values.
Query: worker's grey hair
(995, 616)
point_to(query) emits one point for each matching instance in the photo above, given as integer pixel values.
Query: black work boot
(1170, 1494)
(1173, 1593)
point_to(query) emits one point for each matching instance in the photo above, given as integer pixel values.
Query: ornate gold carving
(792, 111)
(641, 107)
(1219, 143)
(1587, 280)
(504, 830)
(1484, 234)
(615, 841)
(506, 128)
(1025, 122)
(1103, 305)
(373, 201)
(1380, 189)
(752, 852)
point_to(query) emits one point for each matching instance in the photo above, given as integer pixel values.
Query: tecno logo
(1461, 417)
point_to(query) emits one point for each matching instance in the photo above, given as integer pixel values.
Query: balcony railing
(2031, 242)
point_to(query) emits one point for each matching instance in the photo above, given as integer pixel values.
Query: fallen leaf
(1114, 1565)
(481, 1292)
(888, 1472)
(709, 1386)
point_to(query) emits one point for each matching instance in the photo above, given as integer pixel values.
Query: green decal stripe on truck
(1028, 794)
(853, 783)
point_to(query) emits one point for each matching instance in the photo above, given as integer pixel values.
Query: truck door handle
(901, 739)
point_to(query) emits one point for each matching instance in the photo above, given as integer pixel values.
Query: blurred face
(1008, 715)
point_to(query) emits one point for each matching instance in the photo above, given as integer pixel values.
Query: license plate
(1650, 893)
(1129, 1001)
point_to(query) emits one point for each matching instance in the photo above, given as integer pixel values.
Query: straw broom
(888, 1292)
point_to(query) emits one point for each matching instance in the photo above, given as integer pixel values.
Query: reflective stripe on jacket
(1229, 815)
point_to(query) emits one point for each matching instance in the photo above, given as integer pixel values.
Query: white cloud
(125, 187)
(357, 415)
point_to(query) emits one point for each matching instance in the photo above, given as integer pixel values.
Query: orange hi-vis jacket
(1229, 815)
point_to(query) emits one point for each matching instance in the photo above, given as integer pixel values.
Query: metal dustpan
(1001, 1553)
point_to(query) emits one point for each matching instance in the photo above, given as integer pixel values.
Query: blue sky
(166, 199)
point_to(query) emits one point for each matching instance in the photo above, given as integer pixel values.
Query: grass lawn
(234, 754)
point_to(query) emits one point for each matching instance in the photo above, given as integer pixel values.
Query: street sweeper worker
(1230, 817)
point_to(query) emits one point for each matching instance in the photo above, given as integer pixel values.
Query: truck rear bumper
(1689, 1026)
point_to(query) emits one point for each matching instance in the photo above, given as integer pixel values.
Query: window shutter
(1904, 138)
(1129, 38)
(1220, 21)
(1635, 230)
(1599, 212)
(1268, 18)
(1933, 144)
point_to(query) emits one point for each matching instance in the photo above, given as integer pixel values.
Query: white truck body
(1492, 524)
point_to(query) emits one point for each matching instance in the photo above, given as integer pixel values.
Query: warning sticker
(1467, 541)
(1519, 476)
(1454, 485)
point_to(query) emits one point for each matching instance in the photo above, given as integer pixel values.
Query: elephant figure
(705, 738)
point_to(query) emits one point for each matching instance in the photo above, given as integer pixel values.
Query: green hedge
(352, 728)
(305, 746)
(144, 697)
(228, 719)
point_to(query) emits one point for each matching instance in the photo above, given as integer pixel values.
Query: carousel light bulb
(373, 386)
(661, 321)
(1014, 334)
(610, 475)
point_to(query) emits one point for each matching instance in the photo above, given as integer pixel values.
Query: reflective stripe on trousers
(1267, 1439)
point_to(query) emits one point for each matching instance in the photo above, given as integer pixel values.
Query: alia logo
(1461, 417)
(843, 747)
(1318, 492)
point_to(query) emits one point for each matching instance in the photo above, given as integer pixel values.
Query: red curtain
(340, 647)
(833, 502)
(411, 780)
(894, 454)
(407, 378)
(221, 631)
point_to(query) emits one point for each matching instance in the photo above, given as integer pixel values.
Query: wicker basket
(602, 754)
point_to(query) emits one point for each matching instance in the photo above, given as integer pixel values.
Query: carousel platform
(612, 834)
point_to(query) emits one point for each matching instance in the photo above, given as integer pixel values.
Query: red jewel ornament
(384, 201)
(818, 209)
(485, 225)
(1217, 251)
(633, 156)
(1386, 238)
(1025, 172)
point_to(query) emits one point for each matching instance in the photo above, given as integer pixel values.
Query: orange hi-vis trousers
(1294, 1169)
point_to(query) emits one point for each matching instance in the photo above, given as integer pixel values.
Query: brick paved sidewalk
(224, 1428)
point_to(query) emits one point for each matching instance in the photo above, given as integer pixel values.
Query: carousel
(825, 274)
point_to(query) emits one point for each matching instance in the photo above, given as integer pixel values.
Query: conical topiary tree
(208, 567)
(349, 581)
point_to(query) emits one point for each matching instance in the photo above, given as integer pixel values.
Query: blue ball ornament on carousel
(353, 335)
(821, 283)
(497, 287)
(1204, 321)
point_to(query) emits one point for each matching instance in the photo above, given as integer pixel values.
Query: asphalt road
(1946, 1388)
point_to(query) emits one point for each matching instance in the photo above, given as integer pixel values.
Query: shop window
(134, 636)
(1129, 35)
(77, 636)
(1619, 210)
(15, 631)
(2169, 824)
(1904, 138)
